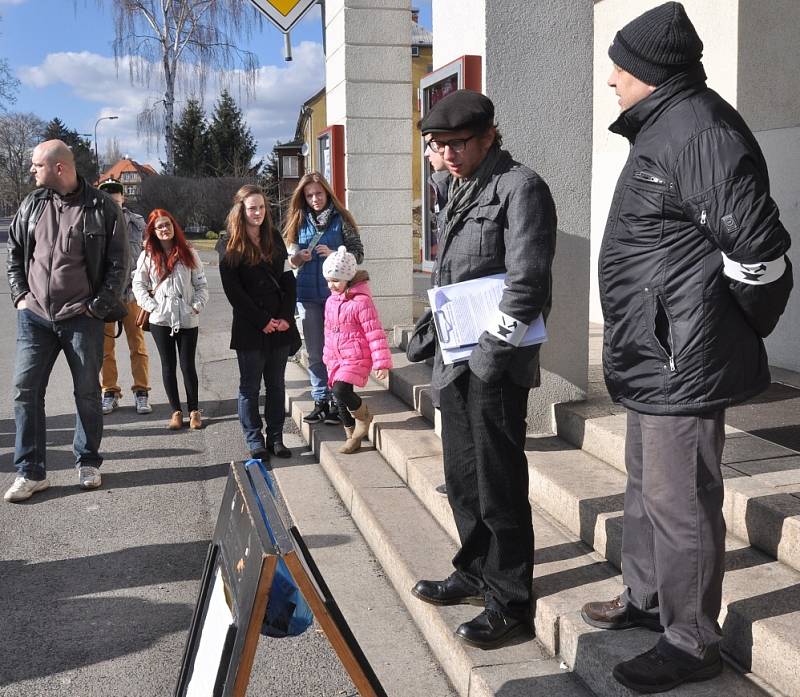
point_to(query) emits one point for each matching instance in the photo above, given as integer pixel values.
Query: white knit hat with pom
(341, 265)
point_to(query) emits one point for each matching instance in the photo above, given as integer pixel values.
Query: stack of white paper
(463, 311)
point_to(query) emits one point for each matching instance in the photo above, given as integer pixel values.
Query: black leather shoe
(260, 454)
(664, 668)
(448, 592)
(278, 449)
(614, 614)
(332, 417)
(490, 630)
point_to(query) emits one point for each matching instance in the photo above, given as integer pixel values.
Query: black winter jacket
(258, 294)
(106, 248)
(680, 337)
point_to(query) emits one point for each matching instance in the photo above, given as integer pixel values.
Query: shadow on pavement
(54, 625)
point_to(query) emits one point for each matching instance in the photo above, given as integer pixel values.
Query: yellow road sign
(284, 14)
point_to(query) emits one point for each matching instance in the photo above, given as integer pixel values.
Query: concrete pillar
(368, 91)
(539, 75)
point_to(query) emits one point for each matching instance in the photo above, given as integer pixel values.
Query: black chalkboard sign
(249, 539)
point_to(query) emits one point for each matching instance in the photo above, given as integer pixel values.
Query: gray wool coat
(510, 228)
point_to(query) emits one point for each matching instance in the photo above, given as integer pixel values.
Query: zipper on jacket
(649, 178)
(703, 217)
(670, 350)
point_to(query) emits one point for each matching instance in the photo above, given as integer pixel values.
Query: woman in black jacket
(261, 288)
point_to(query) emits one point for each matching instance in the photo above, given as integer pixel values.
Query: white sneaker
(142, 405)
(110, 402)
(24, 488)
(89, 477)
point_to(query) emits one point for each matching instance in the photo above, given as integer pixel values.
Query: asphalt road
(97, 588)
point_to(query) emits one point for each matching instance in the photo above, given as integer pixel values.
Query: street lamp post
(96, 156)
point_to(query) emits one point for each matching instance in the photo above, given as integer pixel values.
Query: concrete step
(757, 626)
(409, 544)
(568, 572)
(762, 479)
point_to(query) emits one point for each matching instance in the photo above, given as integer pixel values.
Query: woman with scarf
(317, 224)
(169, 282)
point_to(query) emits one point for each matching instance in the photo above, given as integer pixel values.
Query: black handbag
(422, 343)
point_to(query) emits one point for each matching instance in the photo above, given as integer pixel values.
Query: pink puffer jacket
(355, 342)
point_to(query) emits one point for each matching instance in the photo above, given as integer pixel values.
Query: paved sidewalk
(97, 588)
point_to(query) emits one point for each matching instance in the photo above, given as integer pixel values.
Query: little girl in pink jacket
(355, 342)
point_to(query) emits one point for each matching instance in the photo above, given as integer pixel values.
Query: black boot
(664, 667)
(491, 629)
(277, 448)
(319, 413)
(333, 416)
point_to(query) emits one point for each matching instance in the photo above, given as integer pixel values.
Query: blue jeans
(39, 341)
(312, 316)
(270, 365)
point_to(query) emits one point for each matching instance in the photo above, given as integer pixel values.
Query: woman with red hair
(170, 283)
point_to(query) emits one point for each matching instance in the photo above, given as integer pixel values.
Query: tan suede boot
(176, 421)
(348, 433)
(363, 420)
(360, 430)
(195, 420)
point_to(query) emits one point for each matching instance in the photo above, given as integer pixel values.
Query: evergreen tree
(81, 148)
(232, 143)
(192, 148)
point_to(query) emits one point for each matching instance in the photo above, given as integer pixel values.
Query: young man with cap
(134, 335)
(692, 274)
(499, 217)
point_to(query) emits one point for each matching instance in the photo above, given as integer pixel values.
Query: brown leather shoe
(175, 421)
(614, 614)
(195, 420)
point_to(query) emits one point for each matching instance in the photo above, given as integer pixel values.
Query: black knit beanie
(658, 44)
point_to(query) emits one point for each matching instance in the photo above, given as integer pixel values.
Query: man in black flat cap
(499, 218)
(693, 274)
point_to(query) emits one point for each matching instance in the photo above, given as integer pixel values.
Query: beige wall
(369, 92)
(752, 58)
(459, 30)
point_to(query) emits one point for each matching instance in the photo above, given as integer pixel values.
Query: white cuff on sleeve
(507, 328)
(756, 274)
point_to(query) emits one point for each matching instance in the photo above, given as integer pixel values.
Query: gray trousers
(673, 539)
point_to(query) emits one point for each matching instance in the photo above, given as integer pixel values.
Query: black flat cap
(111, 186)
(458, 110)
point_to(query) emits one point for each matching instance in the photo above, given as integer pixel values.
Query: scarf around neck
(464, 192)
(320, 220)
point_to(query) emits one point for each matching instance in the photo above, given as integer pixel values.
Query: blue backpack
(288, 613)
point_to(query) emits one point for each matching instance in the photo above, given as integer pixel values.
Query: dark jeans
(347, 400)
(268, 365)
(181, 346)
(486, 472)
(673, 539)
(39, 342)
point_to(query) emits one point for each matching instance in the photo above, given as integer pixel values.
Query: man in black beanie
(499, 217)
(693, 275)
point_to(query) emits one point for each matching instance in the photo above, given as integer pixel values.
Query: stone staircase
(576, 491)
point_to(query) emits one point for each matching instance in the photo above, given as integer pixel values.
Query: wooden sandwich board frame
(249, 539)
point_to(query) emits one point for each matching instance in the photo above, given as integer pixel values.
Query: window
(131, 190)
(290, 167)
(414, 51)
(130, 177)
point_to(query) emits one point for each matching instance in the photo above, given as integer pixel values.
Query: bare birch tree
(181, 41)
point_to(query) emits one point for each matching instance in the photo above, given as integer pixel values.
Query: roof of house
(420, 36)
(126, 165)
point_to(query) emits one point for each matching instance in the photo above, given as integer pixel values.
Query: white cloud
(271, 111)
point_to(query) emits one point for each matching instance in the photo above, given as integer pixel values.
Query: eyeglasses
(457, 145)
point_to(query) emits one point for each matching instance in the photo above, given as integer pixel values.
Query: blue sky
(61, 50)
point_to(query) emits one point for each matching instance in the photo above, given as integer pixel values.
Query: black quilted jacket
(680, 336)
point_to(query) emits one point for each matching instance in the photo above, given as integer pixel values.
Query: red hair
(181, 251)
